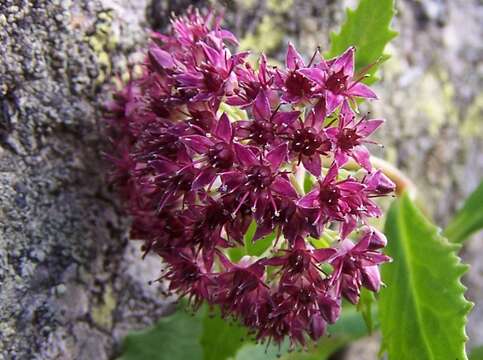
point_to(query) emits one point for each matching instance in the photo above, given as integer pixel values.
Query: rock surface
(71, 285)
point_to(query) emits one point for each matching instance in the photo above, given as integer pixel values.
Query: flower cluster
(206, 145)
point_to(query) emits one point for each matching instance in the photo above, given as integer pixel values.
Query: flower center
(306, 141)
(259, 177)
(306, 296)
(348, 138)
(212, 81)
(221, 155)
(298, 262)
(297, 85)
(337, 82)
(262, 132)
(329, 196)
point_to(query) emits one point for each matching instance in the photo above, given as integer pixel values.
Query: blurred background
(71, 285)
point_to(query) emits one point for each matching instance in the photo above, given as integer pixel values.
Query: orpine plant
(194, 178)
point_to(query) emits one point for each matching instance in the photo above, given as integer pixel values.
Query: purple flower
(308, 140)
(349, 137)
(332, 199)
(335, 80)
(193, 179)
(295, 86)
(258, 179)
(267, 126)
(356, 266)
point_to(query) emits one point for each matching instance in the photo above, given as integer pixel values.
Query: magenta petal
(331, 174)
(314, 74)
(371, 278)
(345, 62)
(293, 59)
(261, 107)
(351, 186)
(228, 35)
(198, 143)
(377, 239)
(309, 201)
(277, 156)
(361, 90)
(204, 178)
(324, 254)
(223, 129)
(366, 128)
(347, 227)
(262, 230)
(283, 187)
(341, 157)
(275, 261)
(332, 101)
(213, 56)
(285, 119)
(161, 57)
(245, 156)
(380, 183)
(362, 156)
(317, 326)
(313, 164)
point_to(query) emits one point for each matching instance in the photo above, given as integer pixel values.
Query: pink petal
(324, 254)
(309, 201)
(262, 230)
(283, 187)
(315, 74)
(204, 178)
(332, 101)
(346, 62)
(317, 327)
(313, 164)
(361, 90)
(198, 143)
(223, 129)
(371, 278)
(362, 156)
(277, 156)
(293, 59)
(331, 174)
(347, 227)
(261, 108)
(285, 119)
(245, 156)
(341, 157)
(161, 57)
(366, 128)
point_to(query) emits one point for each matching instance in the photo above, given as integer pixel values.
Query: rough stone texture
(70, 283)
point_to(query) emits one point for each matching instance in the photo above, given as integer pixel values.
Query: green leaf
(233, 112)
(220, 338)
(258, 247)
(366, 28)
(365, 307)
(469, 219)
(173, 337)
(422, 311)
(251, 248)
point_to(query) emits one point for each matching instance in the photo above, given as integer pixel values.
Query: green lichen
(266, 37)
(102, 313)
(102, 41)
(279, 6)
(435, 100)
(473, 122)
